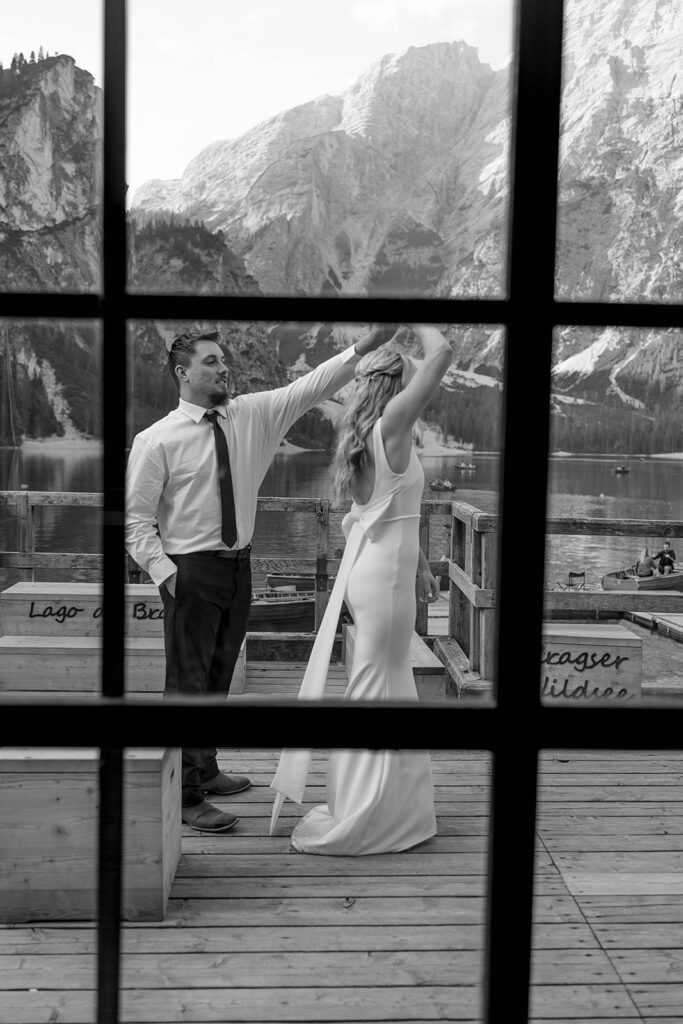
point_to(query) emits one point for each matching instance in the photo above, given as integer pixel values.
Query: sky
(202, 70)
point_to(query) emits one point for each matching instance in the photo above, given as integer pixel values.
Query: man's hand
(170, 583)
(378, 335)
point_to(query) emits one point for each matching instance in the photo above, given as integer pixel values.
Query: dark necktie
(228, 522)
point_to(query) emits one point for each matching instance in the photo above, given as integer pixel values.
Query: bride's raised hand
(378, 335)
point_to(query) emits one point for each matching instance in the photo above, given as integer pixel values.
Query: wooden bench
(49, 833)
(428, 670)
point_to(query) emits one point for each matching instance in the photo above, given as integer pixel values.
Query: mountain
(372, 192)
(398, 186)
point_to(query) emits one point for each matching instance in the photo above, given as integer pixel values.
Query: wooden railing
(468, 651)
(26, 560)
(472, 565)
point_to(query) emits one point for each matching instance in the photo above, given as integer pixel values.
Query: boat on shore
(627, 579)
(272, 611)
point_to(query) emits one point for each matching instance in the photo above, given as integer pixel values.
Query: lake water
(579, 486)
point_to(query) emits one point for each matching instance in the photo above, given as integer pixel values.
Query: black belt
(239, 553)
(230, 552)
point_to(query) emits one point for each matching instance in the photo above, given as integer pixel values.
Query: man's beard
(219, 395)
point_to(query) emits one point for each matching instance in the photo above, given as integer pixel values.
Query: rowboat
(620, 470)
(300, 582)
(290, 612)
(626, 579)
(441, 485)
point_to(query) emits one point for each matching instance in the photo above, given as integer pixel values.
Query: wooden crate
(585, 662)
(72, 664)
(428, 670)
(49, 833)
(75, 609)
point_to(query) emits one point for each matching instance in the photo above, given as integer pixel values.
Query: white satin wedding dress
(377, 801)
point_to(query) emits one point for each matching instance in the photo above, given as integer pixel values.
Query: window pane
(298, 529)
(615, 500)
(351, 150)
(51, 117)
(619, 234)
(607, 909)
(391, 934)
(50, 507)
(51, 431)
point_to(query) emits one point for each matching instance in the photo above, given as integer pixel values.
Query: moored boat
(272, 612)
(627, 579)
(300, 581)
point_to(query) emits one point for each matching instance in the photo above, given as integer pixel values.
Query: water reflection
(579, 487)
(52, 466)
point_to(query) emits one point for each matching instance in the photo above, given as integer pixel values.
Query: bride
(377, 801)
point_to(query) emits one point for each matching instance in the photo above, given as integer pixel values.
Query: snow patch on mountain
(569, 400)
(626, 399)
(586, 362)
(470, 379)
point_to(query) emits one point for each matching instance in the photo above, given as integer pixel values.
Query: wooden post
(322, 536)
(422, 609)
(458, 605)
(473, 570)
(27, 537)
(487, 625)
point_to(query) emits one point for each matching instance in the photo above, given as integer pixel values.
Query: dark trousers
(204, 626)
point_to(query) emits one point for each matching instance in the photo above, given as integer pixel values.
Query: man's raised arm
(282, 407)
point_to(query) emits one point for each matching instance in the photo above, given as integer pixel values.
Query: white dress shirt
(173, 503)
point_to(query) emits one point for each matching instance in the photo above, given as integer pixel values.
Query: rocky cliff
(50, 177)
(50, 239)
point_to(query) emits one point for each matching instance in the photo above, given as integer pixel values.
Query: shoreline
(431, 450)
(59, 442)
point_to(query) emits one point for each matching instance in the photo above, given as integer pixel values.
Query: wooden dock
(255, 932)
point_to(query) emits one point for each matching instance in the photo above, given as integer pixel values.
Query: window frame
(517, 727)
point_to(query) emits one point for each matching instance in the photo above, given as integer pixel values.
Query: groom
(191, 490)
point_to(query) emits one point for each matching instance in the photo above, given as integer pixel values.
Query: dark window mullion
(536, 119)
(114, 387)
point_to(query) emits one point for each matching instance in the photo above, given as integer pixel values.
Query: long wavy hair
(379, 376)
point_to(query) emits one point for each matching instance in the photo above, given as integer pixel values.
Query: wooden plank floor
(256, 932)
